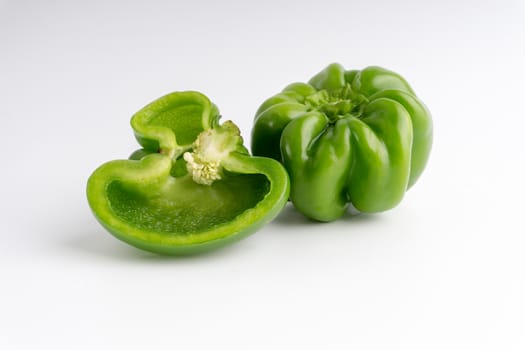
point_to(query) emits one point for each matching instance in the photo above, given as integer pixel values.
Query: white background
(443, 270)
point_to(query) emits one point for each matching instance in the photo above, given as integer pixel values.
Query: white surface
(444, 270)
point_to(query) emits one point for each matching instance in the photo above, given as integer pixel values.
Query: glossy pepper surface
(192, 187)
(346, 136)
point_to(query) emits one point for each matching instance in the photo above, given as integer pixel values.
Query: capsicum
(359, 137)
(192, 186)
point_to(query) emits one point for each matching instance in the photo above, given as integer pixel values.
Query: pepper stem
(210, 148)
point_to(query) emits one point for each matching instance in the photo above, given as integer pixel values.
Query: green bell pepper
(192, 187)
(347, 136)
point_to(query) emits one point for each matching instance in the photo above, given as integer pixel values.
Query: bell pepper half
(192, 186)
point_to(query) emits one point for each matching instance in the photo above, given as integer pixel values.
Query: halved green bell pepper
(192, 187)
(347, 136)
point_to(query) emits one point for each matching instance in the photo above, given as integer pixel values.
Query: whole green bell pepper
(192, 187)
(347, 136)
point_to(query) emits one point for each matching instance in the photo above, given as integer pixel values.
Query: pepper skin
(359, 137)
(192, 187)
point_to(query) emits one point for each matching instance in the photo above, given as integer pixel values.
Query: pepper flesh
(360, 137)
(160, 201)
